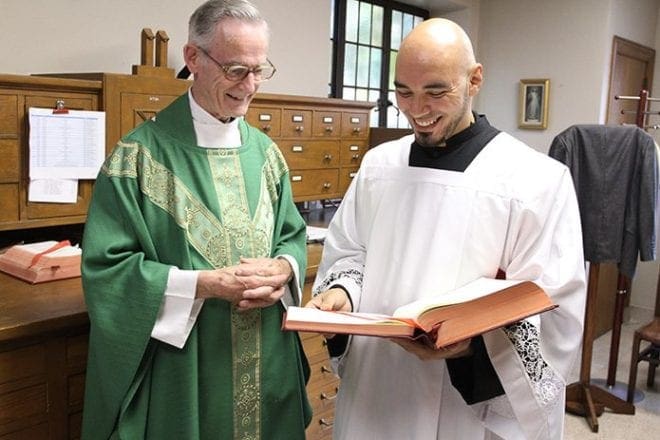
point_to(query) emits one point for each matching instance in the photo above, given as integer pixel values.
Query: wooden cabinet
(17, 94)
(323, 384)
(44, 331)
(322, 139)
(43, 354)
(129, 100)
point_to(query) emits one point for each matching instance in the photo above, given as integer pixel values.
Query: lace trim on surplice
(547, 385)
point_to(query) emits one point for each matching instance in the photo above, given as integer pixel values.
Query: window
(366, 39)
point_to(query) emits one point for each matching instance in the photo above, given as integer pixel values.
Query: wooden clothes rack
(583, 397)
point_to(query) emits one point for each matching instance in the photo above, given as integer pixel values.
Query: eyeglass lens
(260, 73)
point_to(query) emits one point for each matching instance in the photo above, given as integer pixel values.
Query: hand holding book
(478, 307)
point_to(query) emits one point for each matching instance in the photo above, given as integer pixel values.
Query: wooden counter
(44, 331)
(43, 355)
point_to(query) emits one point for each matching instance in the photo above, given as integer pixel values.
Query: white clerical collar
(211, 132)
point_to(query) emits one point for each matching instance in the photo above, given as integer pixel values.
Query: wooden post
(147, 47)
(161, 48)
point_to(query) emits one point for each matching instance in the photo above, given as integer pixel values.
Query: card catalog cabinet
(17, 94)
(323, 384)
(322, 139)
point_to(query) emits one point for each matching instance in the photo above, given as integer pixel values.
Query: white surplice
(404, 232)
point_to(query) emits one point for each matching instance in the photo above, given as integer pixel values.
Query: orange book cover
(471, 310)
(42, 261)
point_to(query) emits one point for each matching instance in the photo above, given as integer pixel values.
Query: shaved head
(435, 79)
(438, 40)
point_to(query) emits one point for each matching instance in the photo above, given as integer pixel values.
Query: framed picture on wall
(533, 112)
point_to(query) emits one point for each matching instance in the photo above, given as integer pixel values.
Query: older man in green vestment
(192, 248)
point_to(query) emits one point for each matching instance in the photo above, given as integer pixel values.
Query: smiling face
(435, 80)
(234, 42)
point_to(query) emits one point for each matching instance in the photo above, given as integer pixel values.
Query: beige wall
(43, 36)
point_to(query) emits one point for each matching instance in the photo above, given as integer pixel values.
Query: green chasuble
(160, 201)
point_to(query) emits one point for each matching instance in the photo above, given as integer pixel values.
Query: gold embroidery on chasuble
(251, 236)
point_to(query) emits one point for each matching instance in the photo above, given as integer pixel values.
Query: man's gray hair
(203, 21)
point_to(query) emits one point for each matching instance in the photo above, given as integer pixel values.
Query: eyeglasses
(238, 72)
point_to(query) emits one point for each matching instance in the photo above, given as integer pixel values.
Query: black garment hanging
(615, 172)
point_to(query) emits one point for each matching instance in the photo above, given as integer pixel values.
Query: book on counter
(478, 307)
(42, 261)
(316, 234)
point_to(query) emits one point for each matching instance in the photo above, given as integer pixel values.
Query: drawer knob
(325, 369)
(325, 396)
(324, 422)
(329, 128)
(299, 128)
(327, 185)
(356, 156)
(356, 130)
(327, 157)
(266, 128)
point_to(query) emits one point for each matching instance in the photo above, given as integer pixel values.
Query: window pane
(395, 34)
(374, 94)
(365, 23)
(393, 55)
(418, 20)
(363, 67)
(352, 20)
(348, 93)
(376, 62)
(377, 27)
(350, 62)
(407, 24)
(361, 95)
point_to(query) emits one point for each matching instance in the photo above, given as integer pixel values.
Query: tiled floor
(645, 424)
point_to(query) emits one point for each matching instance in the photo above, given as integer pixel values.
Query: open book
(42, 261)
(471, 310)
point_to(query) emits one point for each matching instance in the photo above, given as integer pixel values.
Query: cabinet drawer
(352, 152)
(76, 390)
(23, 406)
(296, 123)
(355, 125)
(39, 210)
(22, 363)
(139, 107)
(76, 350)
(266, 119)
(9, 116)
(322, 395)
(321, 183)
(320, 428)
(8, 203)
(310, 154)
(9, 151)
(326, 124)
(33, 432)
(346, 176)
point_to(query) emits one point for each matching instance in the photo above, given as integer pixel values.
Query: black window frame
(339, 42)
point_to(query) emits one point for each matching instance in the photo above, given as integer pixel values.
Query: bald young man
(456, 201)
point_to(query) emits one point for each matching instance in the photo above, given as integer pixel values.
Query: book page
(470, 291)
(311, 314)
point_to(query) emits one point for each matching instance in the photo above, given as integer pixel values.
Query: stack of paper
(43, 261)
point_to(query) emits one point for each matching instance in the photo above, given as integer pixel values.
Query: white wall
(43, 36)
